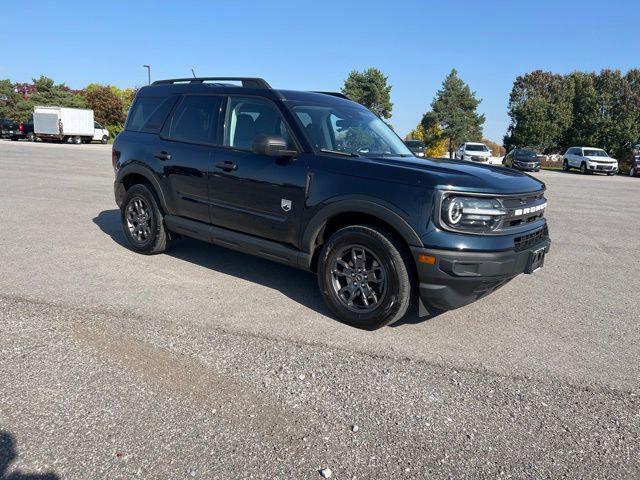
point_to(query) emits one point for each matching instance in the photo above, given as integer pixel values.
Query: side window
(247, 118)
(97, 125)
(195, 119)
(141, 111)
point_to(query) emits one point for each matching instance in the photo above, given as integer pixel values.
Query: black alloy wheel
(143, 222)
(359, 279)
(365, 276)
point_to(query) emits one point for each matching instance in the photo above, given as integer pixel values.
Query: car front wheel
(364, 276)
(583, 168)
(565, 165)
(104, 139)
(632, 172)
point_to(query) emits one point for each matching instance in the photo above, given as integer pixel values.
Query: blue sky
(314, 45)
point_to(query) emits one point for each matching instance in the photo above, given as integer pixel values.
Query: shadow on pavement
(298, 285)
(8, 454)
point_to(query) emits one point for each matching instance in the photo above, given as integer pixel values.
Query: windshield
(414, 144)
(595, 153)
(350, 130)
(476, 148)
(526, 153)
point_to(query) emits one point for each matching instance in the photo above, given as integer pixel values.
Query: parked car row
(586, 159)
(61, 124)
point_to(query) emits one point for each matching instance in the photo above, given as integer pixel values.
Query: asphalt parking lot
(207, 363)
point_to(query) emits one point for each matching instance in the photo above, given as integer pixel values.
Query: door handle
(163, 155)
(227, 166)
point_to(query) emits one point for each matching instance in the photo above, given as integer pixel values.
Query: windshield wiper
(382, 155)
(337, 152)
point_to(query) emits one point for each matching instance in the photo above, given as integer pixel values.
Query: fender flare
(146, 172)
(382, 210)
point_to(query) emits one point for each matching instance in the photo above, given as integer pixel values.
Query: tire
(76, 140)
(148, 237)
(632, 172)
(104, 139)
(565, 165)
(31, 137)
(583, 168)
(389, 299)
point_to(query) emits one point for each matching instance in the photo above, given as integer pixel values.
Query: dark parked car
(416, 147)
(522, 159)
(634, 170)
(8, 128)
(316, 181)
(25, 131)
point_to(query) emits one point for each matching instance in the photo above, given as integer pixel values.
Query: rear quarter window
(149, 113)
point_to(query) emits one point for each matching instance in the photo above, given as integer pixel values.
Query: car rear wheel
(143, 222)
(364, 276)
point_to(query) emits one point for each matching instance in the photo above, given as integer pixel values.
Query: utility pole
(148, 67)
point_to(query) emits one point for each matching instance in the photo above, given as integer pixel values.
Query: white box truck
(63, 124)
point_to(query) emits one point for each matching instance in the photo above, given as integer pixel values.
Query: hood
(441, 173)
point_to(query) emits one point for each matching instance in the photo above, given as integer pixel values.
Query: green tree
(44, 92)
(9, 99)
(454, 109)
(540, 107)
(370, 88)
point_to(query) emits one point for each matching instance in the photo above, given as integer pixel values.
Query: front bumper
(457, 278)
(600, 167)
(527, 167)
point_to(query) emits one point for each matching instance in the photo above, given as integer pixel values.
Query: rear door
(184, 153)
(574, 159)
(256, 194)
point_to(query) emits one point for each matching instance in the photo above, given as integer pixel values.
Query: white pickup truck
(64, 124)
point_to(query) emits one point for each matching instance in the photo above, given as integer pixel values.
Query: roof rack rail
(247, 82)
(334, 94)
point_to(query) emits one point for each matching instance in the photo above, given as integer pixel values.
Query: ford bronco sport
(317, 181)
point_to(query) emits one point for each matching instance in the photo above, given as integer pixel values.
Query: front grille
(524, 209)
(525, 241)
(478, 158)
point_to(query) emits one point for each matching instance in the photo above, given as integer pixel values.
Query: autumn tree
(107, 106)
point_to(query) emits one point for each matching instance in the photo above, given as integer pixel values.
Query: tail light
(21, 127)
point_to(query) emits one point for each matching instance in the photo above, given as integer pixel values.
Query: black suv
(317, 181)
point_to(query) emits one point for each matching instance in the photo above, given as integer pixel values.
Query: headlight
(472, 214)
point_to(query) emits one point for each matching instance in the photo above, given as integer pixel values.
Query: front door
(256, 194)
(184, 154)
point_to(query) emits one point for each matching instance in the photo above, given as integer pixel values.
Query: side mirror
(272, 146)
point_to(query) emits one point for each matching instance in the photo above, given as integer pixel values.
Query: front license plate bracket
(536, 260)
